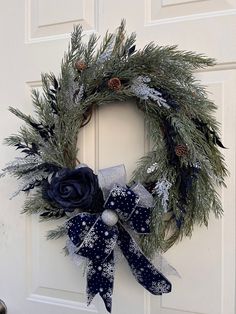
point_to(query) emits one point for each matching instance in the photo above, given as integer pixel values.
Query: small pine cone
(114, 83)
(80, 65)
(181, 150)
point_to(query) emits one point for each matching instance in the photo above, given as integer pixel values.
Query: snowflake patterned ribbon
(95, 239)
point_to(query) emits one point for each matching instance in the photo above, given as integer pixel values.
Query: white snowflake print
(90, 270)
(84, 233)
(109, 245)
(153, 269)
(118, 191)
(89, 239)
(108, 297)
(108, 271)
(133, 248)
(147, 222)
(160, 287)
(122, 214)
(137, 273)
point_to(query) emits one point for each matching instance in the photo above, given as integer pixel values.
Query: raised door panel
(48, 20)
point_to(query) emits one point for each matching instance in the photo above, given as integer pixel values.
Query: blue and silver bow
(95, 237)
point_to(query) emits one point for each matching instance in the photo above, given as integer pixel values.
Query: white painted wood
(48, 20)
(35, 276)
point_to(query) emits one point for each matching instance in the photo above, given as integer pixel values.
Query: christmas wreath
(173, 187)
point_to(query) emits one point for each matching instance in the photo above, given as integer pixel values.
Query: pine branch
(106, 43)
(90, 50)
(57, 233)
(34, 204)
(120, 37)
(26, 118)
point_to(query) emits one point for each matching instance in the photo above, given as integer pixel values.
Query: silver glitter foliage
(21, 164)
(141, 89)
(29, 180)
(106, 53)
(152, 168)
(79, 95)
(27, 166)
(162, 190)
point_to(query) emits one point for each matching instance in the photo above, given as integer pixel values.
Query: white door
(35, 277)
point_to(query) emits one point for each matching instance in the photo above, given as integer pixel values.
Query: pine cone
(181, 150)
(114, 84)
(80, 65)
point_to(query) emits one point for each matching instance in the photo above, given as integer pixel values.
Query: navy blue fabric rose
(72, 189)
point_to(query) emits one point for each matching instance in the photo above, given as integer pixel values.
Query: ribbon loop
(125, 202)
(145, 198)
(108, 177)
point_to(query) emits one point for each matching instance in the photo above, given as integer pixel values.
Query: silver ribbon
(108, 177)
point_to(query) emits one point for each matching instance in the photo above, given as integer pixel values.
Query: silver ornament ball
(109, 217)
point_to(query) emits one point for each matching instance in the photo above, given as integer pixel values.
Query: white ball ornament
(109, 217)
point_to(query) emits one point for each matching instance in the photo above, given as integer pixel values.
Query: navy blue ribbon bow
(96, 236)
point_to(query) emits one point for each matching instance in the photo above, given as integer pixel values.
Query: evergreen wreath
(181, 171)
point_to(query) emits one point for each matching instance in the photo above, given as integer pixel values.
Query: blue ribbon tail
(100, 279)
(143, 270)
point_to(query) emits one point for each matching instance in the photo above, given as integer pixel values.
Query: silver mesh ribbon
(108, 177)
(163, 266)
(145, 198)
